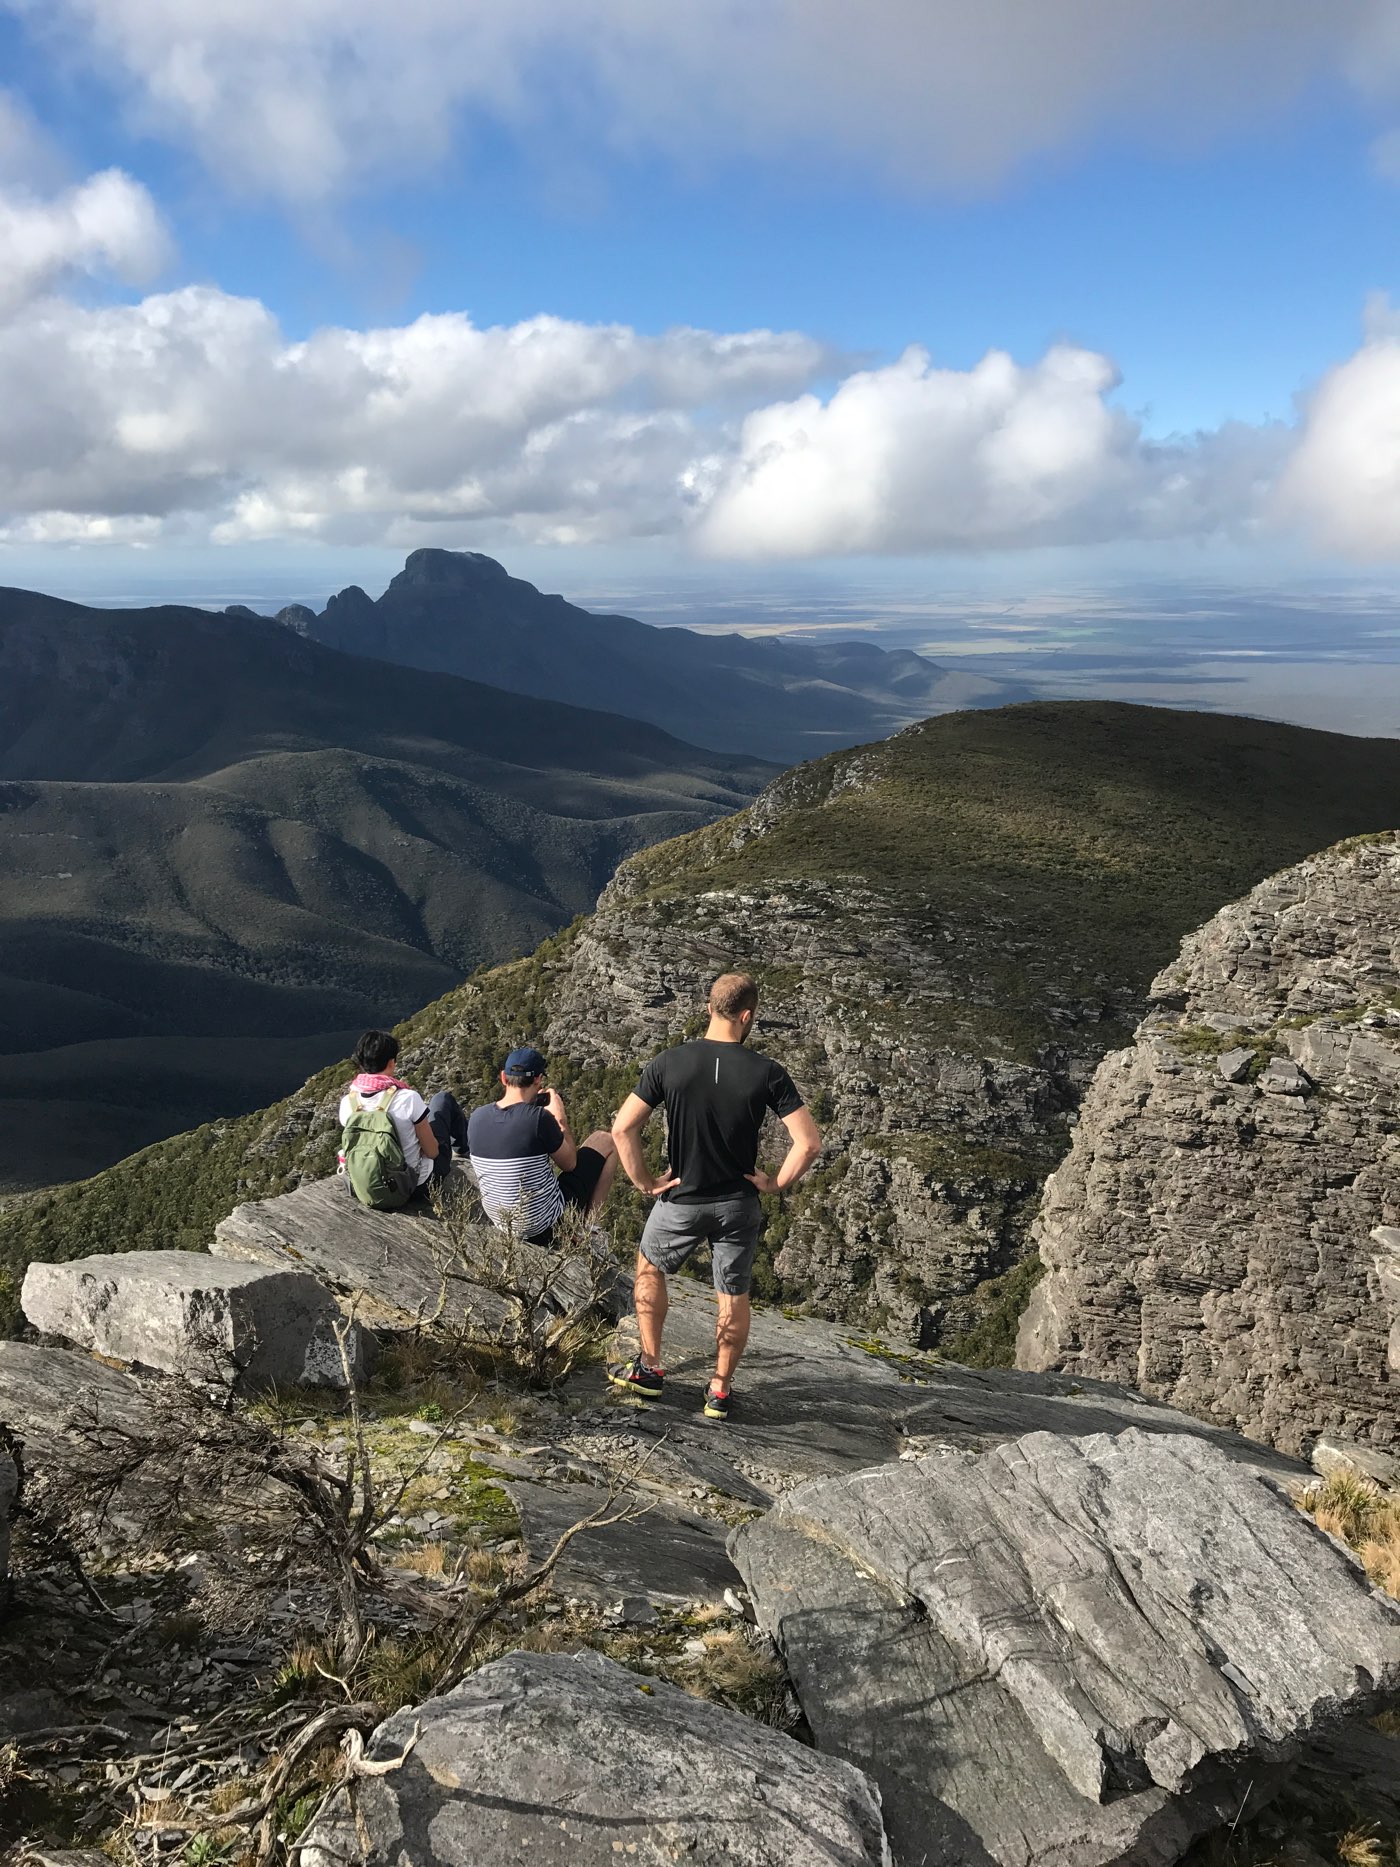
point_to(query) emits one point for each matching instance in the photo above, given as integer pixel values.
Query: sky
(714, 296)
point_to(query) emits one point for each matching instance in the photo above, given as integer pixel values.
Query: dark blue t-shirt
(510, 1151)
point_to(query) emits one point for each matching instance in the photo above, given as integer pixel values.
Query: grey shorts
(732, 1228)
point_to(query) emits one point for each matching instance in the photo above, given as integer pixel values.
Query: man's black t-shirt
(716, 1096)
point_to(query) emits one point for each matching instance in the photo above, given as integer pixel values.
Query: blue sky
(1172, 220)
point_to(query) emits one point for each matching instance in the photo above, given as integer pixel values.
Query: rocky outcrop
(1068, 1650)
(184, 1313)
(694, 1477)
(1221, 1232)
(537, 1759)
(408, 1267)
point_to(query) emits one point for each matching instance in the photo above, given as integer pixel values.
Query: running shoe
(717, 1405)
(635, 1375)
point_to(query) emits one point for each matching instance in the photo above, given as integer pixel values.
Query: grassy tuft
(1363, 1516)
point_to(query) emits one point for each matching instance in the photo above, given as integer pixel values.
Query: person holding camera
(517, 1143)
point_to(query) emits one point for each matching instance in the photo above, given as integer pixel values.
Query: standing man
(716, 1095)
(517, 1143)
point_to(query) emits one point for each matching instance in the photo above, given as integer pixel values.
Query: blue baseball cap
(524, 1062)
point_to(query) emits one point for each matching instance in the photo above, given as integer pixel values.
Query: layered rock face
(1212, 1236)
(1069, 1651)
(933, 1152)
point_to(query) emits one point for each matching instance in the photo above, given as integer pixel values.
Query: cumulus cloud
(193, 403)
(106, 225)
(1342, 481)
(302, 98)
(191, 411)
(915, 458)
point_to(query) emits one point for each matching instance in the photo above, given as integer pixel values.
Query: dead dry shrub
(259, 1504)
(535, 1311)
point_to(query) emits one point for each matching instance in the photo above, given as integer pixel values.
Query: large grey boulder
(402, 1268)
(1075, 1651)
(539, 1759)
(185, 1313)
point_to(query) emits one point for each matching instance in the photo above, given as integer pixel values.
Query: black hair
(375, 1051)
(519, 1080)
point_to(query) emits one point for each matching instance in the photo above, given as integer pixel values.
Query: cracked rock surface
(1218, 1234)
(538, 1758)
(1074, 1650)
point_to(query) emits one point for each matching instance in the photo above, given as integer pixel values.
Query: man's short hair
(733, 993)
(375, 1051)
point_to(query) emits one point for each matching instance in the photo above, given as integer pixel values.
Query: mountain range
(458, 612)
(224, 848)
(950, 927)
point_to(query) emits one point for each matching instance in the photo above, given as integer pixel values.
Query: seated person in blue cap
(517, 1143)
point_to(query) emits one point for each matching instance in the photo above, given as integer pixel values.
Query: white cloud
(193, 403)
(915, 458)
(302, 98)
(107, 225)
(1343, 479)
(190, 414)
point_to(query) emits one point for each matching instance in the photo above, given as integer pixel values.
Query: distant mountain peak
(460, 569)
(461, 612)
(351, 600)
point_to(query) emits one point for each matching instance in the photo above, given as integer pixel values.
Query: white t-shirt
(405, 1108)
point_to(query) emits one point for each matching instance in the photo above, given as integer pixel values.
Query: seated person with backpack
(394, 1143)
(516, 1144)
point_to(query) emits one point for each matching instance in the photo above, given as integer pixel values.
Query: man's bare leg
(650, 1298)
(602, 1143)
(731, 1337)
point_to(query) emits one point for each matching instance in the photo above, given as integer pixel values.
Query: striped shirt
(510, 1152)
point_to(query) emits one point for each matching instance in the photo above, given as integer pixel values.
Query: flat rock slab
(811, 1401)
(185, 1313)
(1067, 1650)
(666, 1554)
(43, 1390)
(538, 1759)
(402, 1268)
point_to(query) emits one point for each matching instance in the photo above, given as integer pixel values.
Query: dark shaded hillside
(775, 697)
(177, 693)
(214, 832)
(951, 928)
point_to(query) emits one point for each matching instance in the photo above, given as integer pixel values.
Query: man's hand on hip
(763, 1181)
(658, 1187)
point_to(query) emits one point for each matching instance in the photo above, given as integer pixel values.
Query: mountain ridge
(463, 612)
(950, 928)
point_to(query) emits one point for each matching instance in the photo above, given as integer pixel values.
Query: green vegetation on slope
(1090, 835)
(1066, 848)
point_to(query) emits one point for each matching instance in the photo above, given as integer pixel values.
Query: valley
(225, 849)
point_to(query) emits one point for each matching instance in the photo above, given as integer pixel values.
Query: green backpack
(379, 1175)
